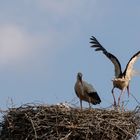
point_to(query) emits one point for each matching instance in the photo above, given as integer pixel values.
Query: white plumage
(121, 79)
(86, 91)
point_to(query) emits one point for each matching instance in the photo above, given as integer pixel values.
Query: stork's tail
(95, 99)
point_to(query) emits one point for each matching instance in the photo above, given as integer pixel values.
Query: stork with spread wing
(122, 79)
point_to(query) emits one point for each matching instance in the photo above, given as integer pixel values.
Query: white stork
(86, 92)
(122, 79)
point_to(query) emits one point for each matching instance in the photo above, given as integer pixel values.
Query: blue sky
(44, 43)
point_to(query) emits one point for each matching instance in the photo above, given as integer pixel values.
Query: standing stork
(122, 79)
(86, 92)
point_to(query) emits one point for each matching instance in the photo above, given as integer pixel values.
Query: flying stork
(122, 79)
(86, 91)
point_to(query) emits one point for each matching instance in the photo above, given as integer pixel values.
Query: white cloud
(24, 52)
(17, 44)
(62, 23)
(14, 43)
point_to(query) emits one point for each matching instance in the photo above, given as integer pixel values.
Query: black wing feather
(95, 97)
(98, 47)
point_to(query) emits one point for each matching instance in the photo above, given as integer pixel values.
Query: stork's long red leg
(114, 96)
(120, 97)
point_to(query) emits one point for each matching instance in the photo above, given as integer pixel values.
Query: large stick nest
(60, 122)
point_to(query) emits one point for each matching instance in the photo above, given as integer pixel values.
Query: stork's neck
(79, 80)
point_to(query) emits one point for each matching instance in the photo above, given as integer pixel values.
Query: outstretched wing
(114, 60)
(128, 72)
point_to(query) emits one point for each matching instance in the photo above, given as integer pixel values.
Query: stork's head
(79, 76)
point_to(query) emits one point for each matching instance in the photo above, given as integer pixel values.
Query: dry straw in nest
(59, 122)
